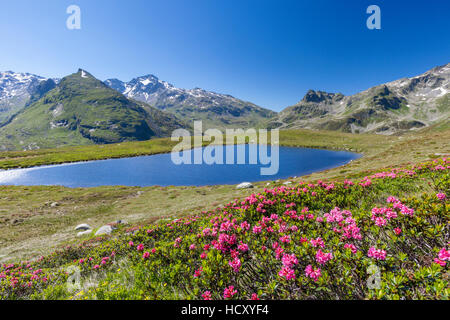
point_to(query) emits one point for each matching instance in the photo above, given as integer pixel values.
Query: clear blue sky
(267, 52)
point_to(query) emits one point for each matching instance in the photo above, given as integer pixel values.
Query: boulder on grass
(244, 185)
(83, 226)
(104, 230)
(83, 233)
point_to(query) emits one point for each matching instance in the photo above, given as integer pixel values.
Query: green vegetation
(40, 227)
(384, 236)
(294, 138)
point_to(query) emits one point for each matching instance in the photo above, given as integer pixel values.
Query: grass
(30, 226)
(297, 138)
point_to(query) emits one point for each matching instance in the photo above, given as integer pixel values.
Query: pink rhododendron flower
(398, 231)
(312, 273)
(243, 247)
(254, 297)
(378, 254)
(441, 196)
(318, 242)
(235, 264)
(257, 229)
(289, 260)
(198, 272)
(350, 246)
(140, 247)
(391, 199)
(323, 257)
(229, 292)
(287, 273)
(380, 221)
(206, 295)
(177, 242)
(444, 254)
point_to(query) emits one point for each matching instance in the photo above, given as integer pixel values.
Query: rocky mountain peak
(319, 96)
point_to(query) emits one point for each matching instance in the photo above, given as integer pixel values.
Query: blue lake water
(160, 170)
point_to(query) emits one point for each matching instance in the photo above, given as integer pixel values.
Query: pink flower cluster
(206, 295)
(287, 273)
(312, 273)
(289, 260)
(351, 246)
(235, 264)
(377, 254)
(441, 196)
(323, 257)
(229, 292)
(443, 256)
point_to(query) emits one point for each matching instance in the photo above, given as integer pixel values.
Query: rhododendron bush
(380, 236)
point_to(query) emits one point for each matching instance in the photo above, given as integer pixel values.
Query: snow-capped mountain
(81, 110)
(195, 104)
(16, 90)
(401, 105)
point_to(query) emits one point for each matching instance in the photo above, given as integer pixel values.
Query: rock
(104, 230)
(82, 233)
(139, 193)
(268, 184)
(54, 204)
(121, 222)
(244, 185)
(287, 182)
(83, 226)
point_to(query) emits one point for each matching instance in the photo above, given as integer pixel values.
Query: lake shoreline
(161, 170)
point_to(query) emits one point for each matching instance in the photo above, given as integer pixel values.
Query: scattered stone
(140, 193)
(268, 184)
(54, 204)
(83, 233)
(17, 221)
(244, 185)
(287, 182)
(83, 226)
(104, 230)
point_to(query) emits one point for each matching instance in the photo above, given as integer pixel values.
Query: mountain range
(214, 109)
(393, 107)
(80, 110)
(19, 89)
(37, 112)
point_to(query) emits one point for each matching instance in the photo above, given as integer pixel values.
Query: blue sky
(267, 52)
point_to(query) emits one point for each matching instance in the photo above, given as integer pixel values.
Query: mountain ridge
(215, 109)
(390, 108)
(83, 110)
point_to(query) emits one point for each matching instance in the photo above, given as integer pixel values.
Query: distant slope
(83, 110)
(216, 110)
(394, 107)
(16, 90)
